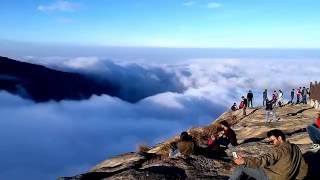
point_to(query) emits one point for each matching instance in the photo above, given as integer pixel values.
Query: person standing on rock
(298, 95)
(264, 96)
(284, 162)
(280, 98)
(250, 98)
(274, 98)
(304, 95)
(314, 133)
(245, 104)
(292, 97)
(308, 94)
(269, 112)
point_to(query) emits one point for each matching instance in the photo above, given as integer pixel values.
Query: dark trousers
(258, 174)
(250, 102)
(304, 99)
(291, 101)
(298, 100)
(223, 141)
(314, 133)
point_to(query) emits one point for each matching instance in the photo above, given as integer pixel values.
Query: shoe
(315, 147)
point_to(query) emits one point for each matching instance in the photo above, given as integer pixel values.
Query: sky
(165, 23)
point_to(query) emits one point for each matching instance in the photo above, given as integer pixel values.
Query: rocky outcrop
(251, 133)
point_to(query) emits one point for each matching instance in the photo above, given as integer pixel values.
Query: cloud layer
(47, 140)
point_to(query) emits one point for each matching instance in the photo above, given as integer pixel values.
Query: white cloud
(61, 5)
(213, 5)
(188, 3)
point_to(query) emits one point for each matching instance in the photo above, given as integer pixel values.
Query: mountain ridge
(42, 84)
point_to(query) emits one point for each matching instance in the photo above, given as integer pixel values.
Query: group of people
(217, 143)
(302, 95)
(284, 162)
(277, 100)
(245, 103)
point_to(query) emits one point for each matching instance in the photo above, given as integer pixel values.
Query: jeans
(270, 113)
(298, 99)
(314, 134)
(291, 101)
(258, 174)
(304, 99)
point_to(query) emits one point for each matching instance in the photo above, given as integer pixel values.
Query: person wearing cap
(314, 133)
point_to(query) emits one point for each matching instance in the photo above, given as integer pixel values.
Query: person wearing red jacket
(298, 95)
(212, 143)
(314, 133)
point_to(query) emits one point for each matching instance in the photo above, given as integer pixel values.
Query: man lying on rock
(284, 162)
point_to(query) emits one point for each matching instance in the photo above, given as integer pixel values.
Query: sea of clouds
(48, 140)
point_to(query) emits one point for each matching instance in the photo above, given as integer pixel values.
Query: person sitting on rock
(184, 146)
(234, 107)
(283, 162)
(213, 149)
(227, 136)
(314, 134)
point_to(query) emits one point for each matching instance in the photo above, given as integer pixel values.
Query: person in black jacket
(269, 112)
(250, 98)
(245, 103)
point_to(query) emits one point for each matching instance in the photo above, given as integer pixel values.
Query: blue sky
(165, 23)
